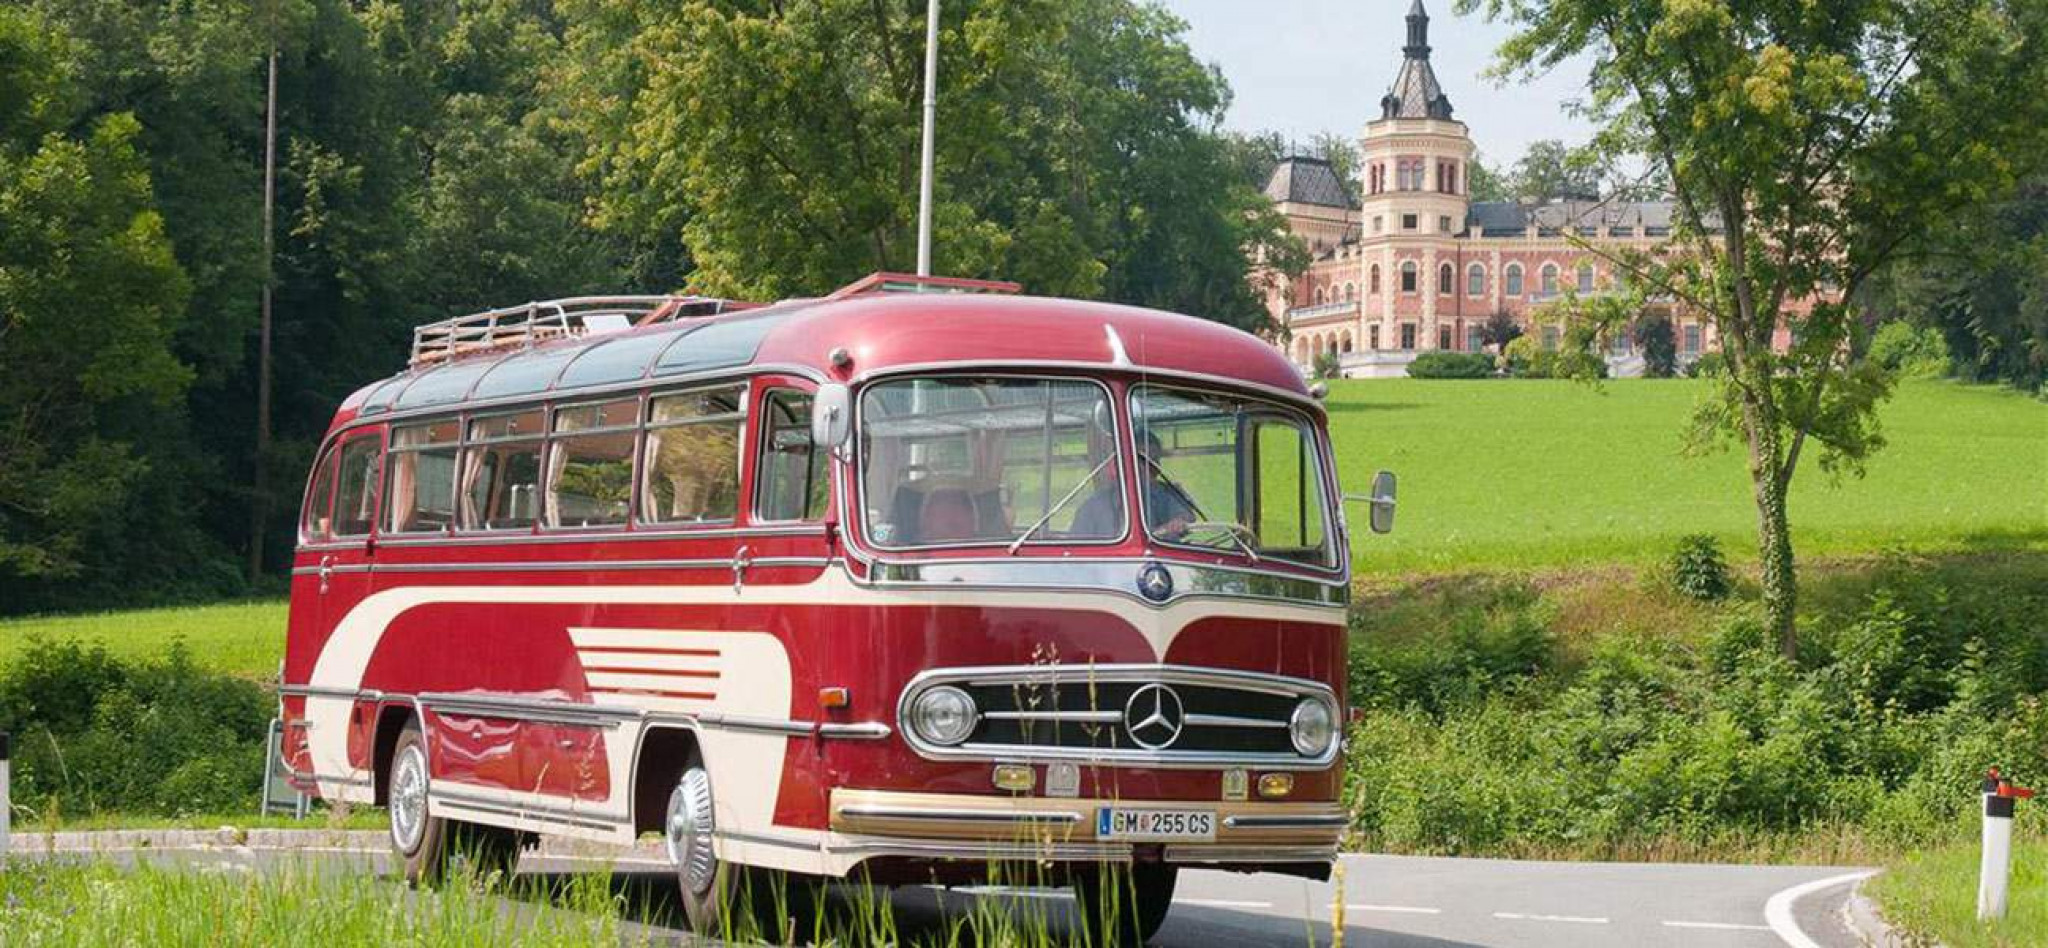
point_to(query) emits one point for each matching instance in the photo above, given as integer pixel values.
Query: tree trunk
(1774, 555)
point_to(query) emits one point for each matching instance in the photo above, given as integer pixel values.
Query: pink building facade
(1404, 261)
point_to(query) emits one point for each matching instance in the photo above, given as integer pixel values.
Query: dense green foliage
(1658, 343)
(244, 639)
(1442, 364)
(441, 158)
(1983, 285)
(1697, 569)
(1660, 723)
(1910, 351)
(160, 736)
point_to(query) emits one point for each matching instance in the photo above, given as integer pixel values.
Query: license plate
(1114, 822)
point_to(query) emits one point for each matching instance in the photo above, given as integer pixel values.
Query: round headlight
(944, 715)
(1311, 727)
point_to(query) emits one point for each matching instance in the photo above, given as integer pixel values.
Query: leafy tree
(90, 303)
(1654, 336)
(1500, 328)
(1806, 147)
(1984, 288)
(1486, 184)
(1077, 150)
(1549, 169)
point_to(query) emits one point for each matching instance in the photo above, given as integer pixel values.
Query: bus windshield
(1228, 473)
(960, 461)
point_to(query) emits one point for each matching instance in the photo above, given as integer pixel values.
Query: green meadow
(1516, 474)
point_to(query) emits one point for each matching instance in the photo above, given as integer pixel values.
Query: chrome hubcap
(689, 831)
(409, 798)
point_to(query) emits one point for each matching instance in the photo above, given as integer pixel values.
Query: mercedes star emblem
(1155, 583)
(1153, 716)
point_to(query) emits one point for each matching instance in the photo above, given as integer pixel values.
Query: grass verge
(1930, 897)
(244, 639)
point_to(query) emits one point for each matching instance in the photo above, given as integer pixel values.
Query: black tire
(428, 846)
(704, 882)
(1120, 905)
(419, 841)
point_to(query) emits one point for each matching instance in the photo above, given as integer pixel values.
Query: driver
(1167, 512)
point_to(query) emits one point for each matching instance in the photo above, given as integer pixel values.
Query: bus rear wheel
(425, 844)
(688, 830)
(1124, 905)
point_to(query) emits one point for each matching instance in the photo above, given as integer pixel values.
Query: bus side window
(355, 501)
(691, 470)
(419, 488)
(319, 502)
(501, 472)
(791, 475)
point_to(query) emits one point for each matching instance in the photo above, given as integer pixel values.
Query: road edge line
(1778, 911)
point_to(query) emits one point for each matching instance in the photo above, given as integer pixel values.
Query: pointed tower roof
(1416, 93)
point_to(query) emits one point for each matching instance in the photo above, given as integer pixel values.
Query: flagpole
(931, 117)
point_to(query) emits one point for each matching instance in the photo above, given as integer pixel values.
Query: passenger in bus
(1167, 512)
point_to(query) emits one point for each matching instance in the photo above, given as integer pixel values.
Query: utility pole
(259, 501)
(931, 118)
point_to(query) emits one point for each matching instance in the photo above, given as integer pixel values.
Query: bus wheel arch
(658, 763)
(391, 722)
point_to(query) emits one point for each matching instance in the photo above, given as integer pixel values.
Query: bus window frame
(545, 522)
(392, 449)
(856, 463)
(742, 476)
(766, 388)
(462, 457)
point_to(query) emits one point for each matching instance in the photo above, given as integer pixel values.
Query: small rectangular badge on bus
(1236, 784)
(1062, 780)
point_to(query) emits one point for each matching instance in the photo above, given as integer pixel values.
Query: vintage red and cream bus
(915, 581)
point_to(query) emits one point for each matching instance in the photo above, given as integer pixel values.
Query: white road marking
(1719, 926)
(1402, 909)
(1570, 919)
(1223, 903)
(1778, 911)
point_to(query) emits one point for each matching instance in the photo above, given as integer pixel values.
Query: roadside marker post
(6, 804)
(1995, 866)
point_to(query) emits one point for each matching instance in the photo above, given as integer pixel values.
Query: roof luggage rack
(555, 319)
(885, 282)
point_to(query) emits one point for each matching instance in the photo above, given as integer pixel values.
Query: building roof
(1501, 218)
(1305, 180)
(1416, 93)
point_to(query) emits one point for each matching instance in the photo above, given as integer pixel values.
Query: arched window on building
(1514, 280)
(1585, 278)
(1446, 280)
(1475, 280)
(1410, 279)
(1549, 279)
(1372, 284)
(1347, 343)
(1350, 292)
(1320, 299)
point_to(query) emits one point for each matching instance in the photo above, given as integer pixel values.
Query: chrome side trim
(864, 731)
(1022, 818)
(559, 536)
(1054, 676)
(770, 839)
(527, 709)
(1119, 576)
(601, 715)
(1289, 821)
(524, 810)
(313, 777)
(987, 851)
(594, 566)
(314, 691)
(741, 722)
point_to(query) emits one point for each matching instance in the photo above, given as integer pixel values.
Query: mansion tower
(1404, 261)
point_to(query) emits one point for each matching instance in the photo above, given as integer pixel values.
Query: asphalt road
(1388, 901)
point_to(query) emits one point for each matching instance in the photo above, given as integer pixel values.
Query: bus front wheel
(424, 843)
(688, 831)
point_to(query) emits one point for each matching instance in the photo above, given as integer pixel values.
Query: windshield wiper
(1018, 543)
(1174, 485)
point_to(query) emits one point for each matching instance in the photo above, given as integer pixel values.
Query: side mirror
(1380, 503)
(831, 417)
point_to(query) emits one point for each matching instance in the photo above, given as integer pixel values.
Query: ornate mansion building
(1404, 261)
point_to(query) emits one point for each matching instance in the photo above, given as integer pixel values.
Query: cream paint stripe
(631, 638)
(348, 650)
(673, 663)
(671, 683)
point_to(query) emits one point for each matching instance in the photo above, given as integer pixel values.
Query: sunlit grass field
(1932, 897)
(1540, 474)
(240, 638)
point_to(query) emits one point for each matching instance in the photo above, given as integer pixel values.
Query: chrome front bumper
(959, 826)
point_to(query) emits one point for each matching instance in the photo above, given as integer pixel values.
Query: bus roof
(881, 332)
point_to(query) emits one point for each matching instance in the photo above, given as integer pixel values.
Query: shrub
(1658, 343)
(1698, 571)
(1708, 365)
(1440, 364)
(1914, 352)
(162, 737)
(1526, 358)
(1326, 365)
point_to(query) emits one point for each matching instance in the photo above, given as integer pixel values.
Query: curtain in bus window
(355, 502)
(501, 472)
(693, 457)
(791, 474)
(591, 480)
(420, 478)
(320, 500)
